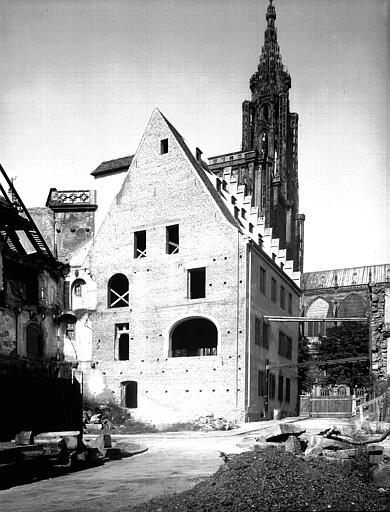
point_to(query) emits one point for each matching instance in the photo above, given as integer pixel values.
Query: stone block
(282, 431)
(340, 454)
(113, 453)
(292, 444)
(313, 451)
(326, 443)
(381, 476)
(24, 437)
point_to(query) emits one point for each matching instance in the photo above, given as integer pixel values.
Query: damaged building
(174, 276)
(35, 378)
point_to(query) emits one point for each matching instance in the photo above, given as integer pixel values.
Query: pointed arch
(352, 306)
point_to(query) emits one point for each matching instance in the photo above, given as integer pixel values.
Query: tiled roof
(113, 166)
(346, 276)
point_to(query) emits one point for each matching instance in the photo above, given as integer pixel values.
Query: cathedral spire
(271, 15)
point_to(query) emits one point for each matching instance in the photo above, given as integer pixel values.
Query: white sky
(79, 79)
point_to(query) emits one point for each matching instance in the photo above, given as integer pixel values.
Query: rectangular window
(287, 397)
(271, 386)
(282, 297)
(285, 346)
(70, 331)
(257, 330)
(273, 289)
(122, 342)
(164, 146)
(140, 244)
(290, 303)
(265, 335)
(280, 388)
(288, 347)
(281, 343)
(172, 238)
(262, 280)
(261, 384)
(197, 283)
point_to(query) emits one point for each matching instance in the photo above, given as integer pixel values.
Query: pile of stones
(209, 423)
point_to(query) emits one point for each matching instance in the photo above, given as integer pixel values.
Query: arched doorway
(194, 337)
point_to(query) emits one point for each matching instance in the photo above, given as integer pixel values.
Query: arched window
(342, 391)
(118, 291)
(325, 391)
(194, 337)
(319, 308)
(352, 306)
(78, 293)
(35, 341)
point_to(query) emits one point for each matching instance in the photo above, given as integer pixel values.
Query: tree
(347, 340)
(305, 373)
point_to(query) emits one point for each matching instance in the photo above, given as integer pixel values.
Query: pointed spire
(271, 15)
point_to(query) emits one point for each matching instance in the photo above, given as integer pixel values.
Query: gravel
(272, 480)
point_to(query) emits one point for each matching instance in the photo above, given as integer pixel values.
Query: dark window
(285, 346)
(257, 330)
(70, 331)
(290, 303)
(219, 185)
(172, 237)
(35, 341)
(265, 337)
(262, 280)
(123, 342)
(118, 291)
(236, 212)
(140, 244)
(261, 384)
(271, 386)
(130, 394)
(77, 290)
(197, 283)
(282, 297)
(164, 146)
(280, 388)
(250, 228)
(273, 289)
(243, 213)
(287, 397)
(194, 337)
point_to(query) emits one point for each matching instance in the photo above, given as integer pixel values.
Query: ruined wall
(380, 330)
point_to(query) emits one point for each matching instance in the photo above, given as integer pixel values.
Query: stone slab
(293, 445)
(381, 476)
(282, 431)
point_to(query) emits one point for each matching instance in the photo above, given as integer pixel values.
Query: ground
(174, 462)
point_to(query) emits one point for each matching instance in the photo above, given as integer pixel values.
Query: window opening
(118, 291)
(271, 386)
(265, 335)
(282, 297)
(261, 384)
(288, 385)
(262, 280)
(197, 283)
(70, 331)
(285, 346)
(290, 303)
(140, 244)
(257, 331)
(194, 337)
(164, 146)
(172, 233)
(280, 388)
(129, 394)
(273, 289)
(122, 340)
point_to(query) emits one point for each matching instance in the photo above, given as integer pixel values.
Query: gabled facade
(182, 290)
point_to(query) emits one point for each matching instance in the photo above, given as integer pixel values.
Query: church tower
(270, 139)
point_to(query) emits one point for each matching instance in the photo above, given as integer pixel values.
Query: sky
(80, 78)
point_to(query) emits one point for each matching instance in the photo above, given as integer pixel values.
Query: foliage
(305, 375)
(347, 340)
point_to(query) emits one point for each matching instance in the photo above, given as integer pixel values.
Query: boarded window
(280, 388)
(164, 146)
(140, 244)
(273, 289)
(172, 237)
(288, 384)
(197, 283)
(129, 394)
(262, 280)
(118, 291)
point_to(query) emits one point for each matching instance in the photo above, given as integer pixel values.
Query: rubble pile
(209, 423)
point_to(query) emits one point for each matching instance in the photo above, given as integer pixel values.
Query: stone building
(32, 364)
(351, 293)
(170, 288)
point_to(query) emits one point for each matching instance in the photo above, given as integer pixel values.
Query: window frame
(170, 234)
(191, 272)
(140, 236)
(273, 290)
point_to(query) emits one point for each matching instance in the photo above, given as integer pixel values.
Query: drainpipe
(249, 328)
(238, 313)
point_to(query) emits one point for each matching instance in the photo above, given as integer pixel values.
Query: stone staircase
(250, 220)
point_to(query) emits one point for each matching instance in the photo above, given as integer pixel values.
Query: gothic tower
(270, 130)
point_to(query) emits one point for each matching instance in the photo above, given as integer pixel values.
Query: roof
(353, 276)
(113, 166)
